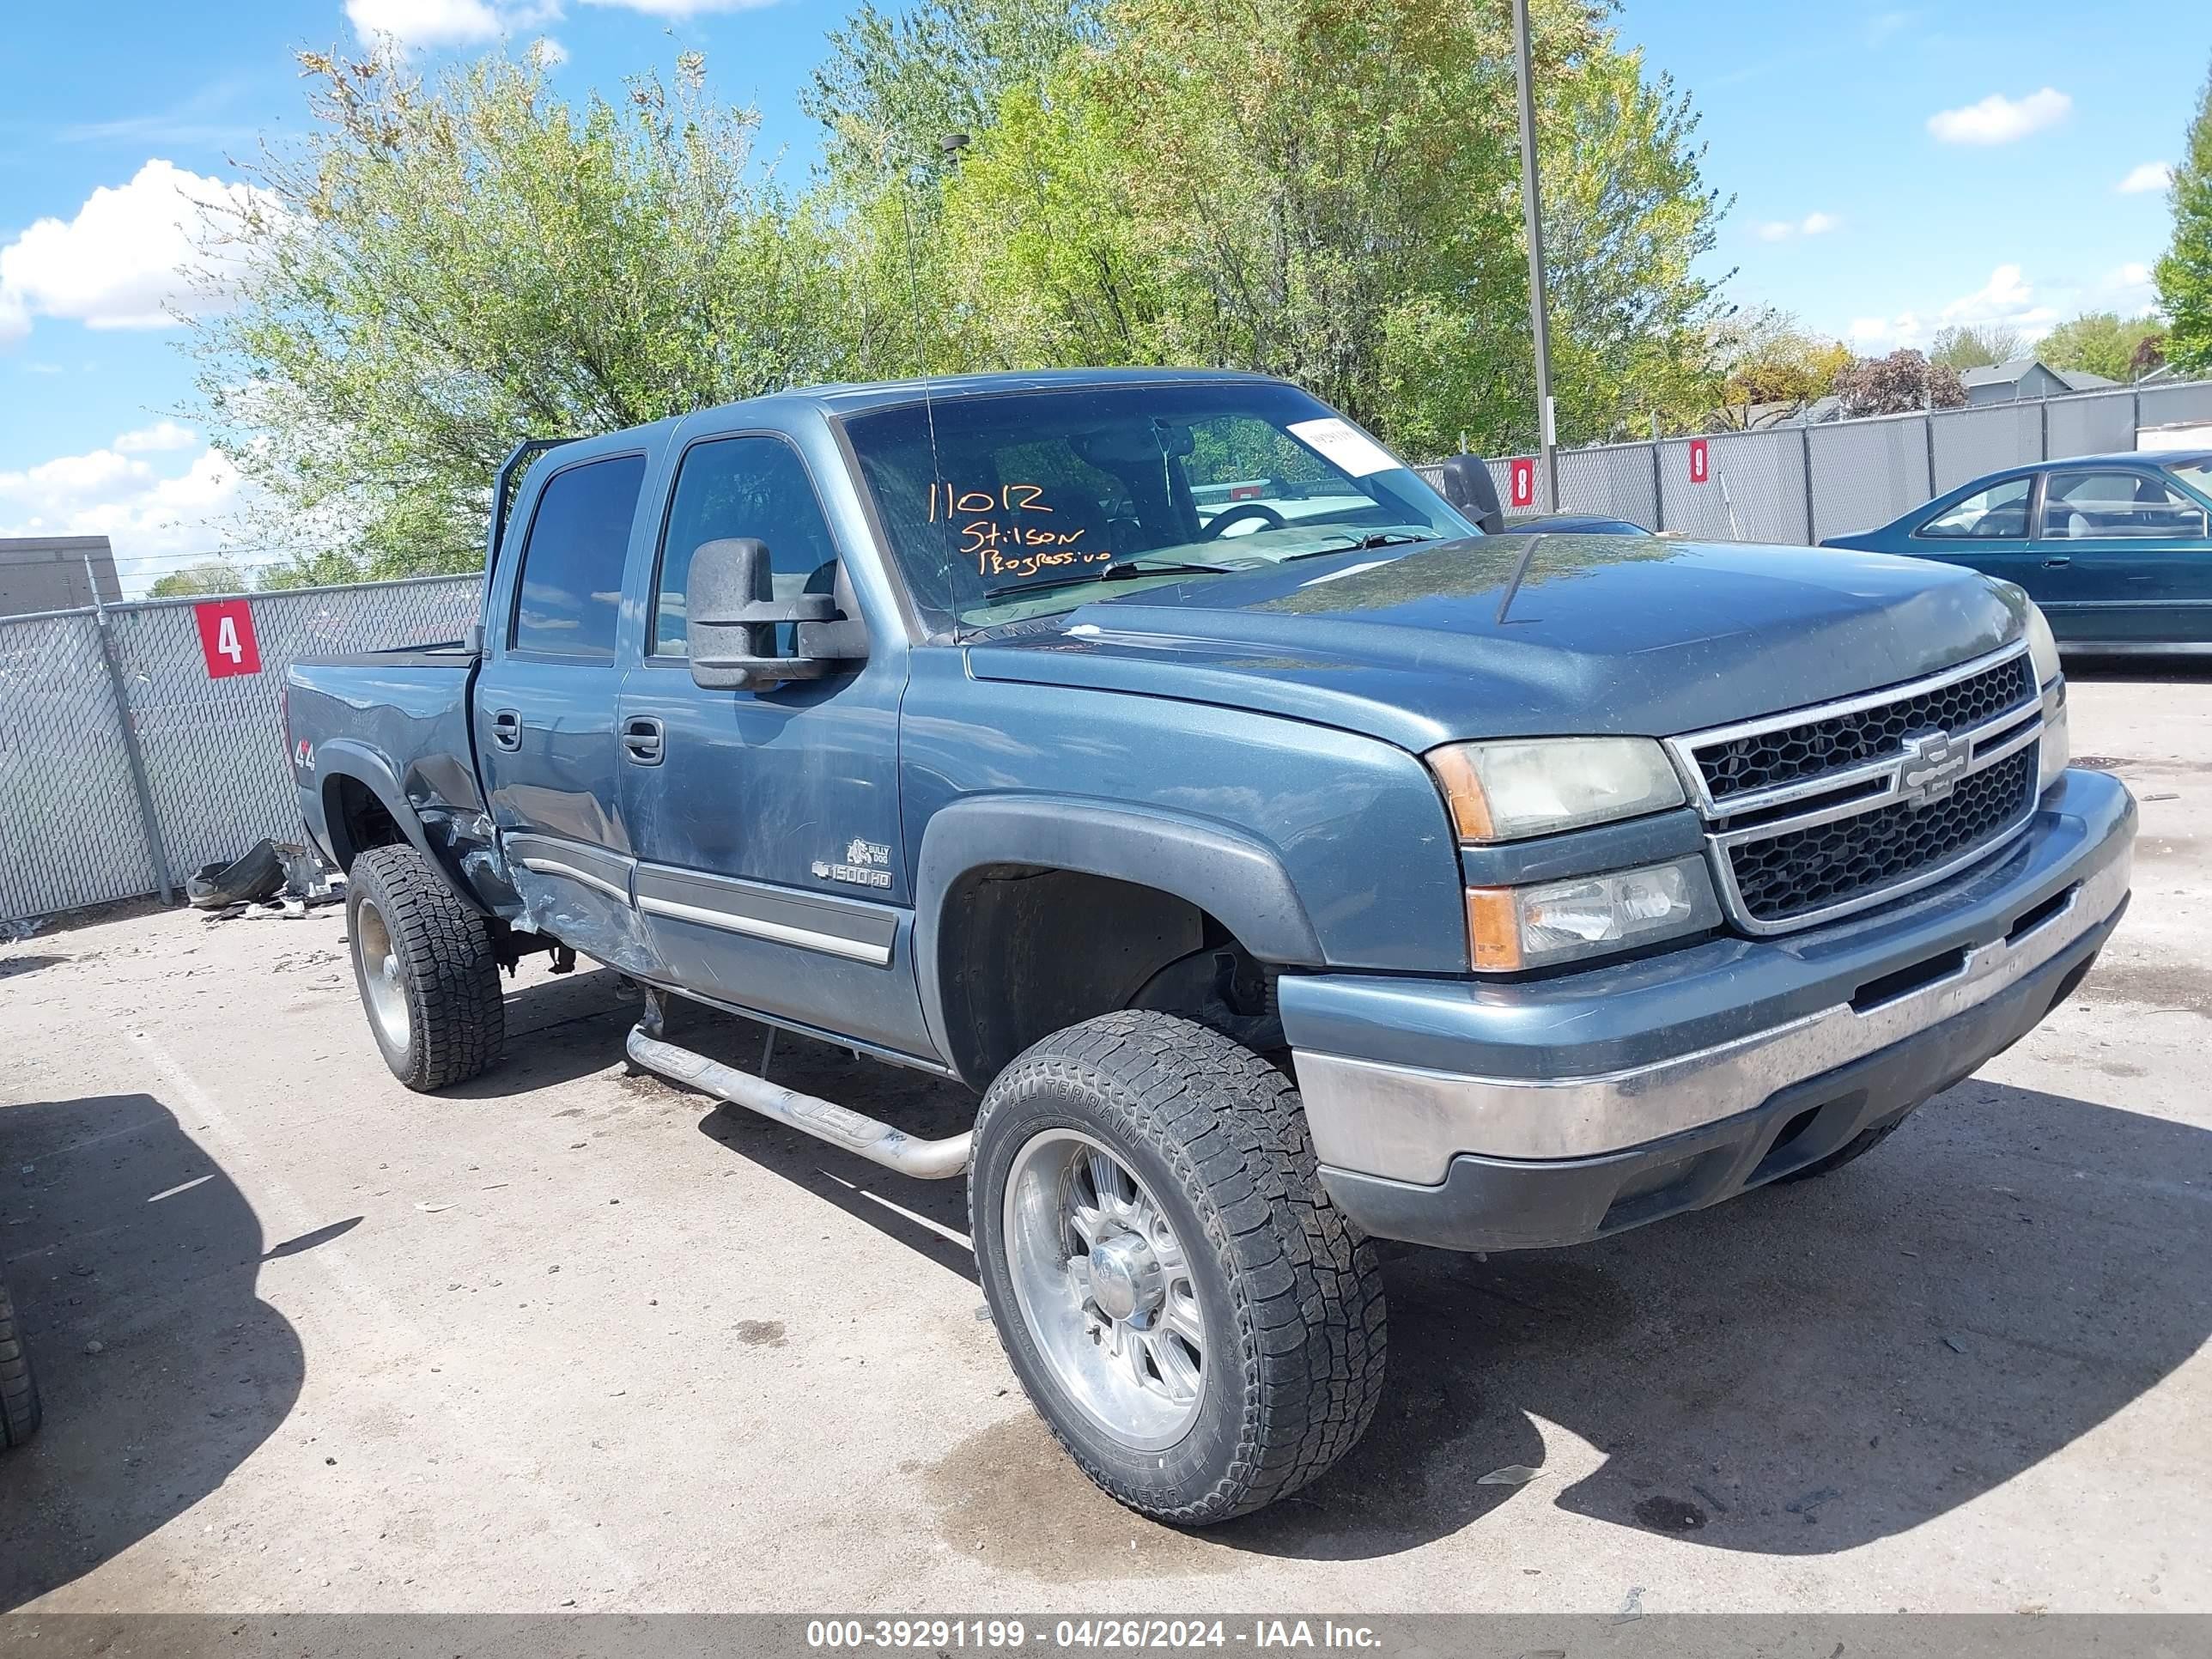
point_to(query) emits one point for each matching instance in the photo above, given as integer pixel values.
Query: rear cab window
(568, 591)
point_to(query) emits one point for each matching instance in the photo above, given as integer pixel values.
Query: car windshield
(1006, 505)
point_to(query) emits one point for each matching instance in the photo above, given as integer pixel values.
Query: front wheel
(427, 974)
(1198, 1326)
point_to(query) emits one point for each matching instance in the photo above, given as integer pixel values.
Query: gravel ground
(570, 1339)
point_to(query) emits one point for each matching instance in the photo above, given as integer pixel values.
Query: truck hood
(1524, 636)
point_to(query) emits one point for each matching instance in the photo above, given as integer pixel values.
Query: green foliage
(2185, 274)
(1976, 348)
(439, 269)
(1770, 359)
(1327, 190)
(204, 576)
(2104, 342)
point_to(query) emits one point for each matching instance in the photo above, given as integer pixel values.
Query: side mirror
(1469, 487)
(730, 615)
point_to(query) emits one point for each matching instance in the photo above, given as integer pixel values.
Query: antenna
(950, 146)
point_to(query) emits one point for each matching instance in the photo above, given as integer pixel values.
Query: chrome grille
(1799, 871)
(1811, 748)
(1822, 811)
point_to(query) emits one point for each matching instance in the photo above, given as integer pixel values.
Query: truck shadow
(118, 1230)
(1802, 1371)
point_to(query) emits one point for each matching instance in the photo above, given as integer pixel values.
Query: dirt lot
(310, 1342)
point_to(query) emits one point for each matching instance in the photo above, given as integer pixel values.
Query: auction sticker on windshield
(1346, 445)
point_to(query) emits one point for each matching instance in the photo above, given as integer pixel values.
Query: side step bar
(927, 1160)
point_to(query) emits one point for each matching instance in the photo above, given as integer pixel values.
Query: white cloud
(1813, 224)
(1873, 335)
(119, 263)
(548, 52)
(682, 8)
(156, 519)
(425, 22)
(2151, 175)
(1885, 24)
(163, 434)
(1998, 119)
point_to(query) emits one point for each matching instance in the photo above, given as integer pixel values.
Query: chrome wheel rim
(1104, 1288)
(383, 981)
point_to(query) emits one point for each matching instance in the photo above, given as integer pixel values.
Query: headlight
(1503, 790)
(2042, 648)
(1514, 927)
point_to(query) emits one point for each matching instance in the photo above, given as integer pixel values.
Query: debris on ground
(1513, 1475)
(280, 879)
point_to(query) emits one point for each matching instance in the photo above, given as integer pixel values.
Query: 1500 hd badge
(866, 864)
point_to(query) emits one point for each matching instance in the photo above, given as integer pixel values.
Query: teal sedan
(2115, 548)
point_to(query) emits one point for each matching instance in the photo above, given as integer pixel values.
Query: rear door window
(2116, 505)
(569, 597)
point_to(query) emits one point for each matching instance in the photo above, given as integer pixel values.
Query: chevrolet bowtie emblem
(1931, 766)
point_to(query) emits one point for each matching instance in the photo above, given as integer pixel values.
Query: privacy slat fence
(118, 748)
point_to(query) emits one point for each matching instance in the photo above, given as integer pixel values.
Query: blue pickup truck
(1285, 863)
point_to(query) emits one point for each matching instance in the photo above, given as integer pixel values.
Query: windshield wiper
(1355, 543)
(1120, 570)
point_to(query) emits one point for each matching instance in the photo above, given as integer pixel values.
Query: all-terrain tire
(19, 1389)
(1291, 1294)
(1850, 1152)
(455, 1020)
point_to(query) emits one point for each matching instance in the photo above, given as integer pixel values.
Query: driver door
(1986, 529)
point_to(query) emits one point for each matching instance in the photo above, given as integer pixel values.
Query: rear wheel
(427, 974)
(18, 1390)
(1198, 1326)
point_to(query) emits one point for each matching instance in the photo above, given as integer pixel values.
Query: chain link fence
(124, 766)
(1800, 484)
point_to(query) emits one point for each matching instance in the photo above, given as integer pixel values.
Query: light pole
(1532, 208)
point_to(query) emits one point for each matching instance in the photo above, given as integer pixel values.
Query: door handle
(643, 740)
(506, 729)
(2058, 561)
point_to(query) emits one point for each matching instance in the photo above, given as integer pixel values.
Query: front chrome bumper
(1848, 991)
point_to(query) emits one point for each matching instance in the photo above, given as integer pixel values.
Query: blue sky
(1894, 169)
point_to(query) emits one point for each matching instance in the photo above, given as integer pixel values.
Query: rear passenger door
(2123, 558)
(765, 822)
(546, 706)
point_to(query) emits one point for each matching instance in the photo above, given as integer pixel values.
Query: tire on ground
(18, 1390)
(1290, 1294)
(457, 1017)
(1850, 1152)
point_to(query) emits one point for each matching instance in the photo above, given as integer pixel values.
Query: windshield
(1003, 506)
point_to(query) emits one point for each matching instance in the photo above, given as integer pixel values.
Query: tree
(2104, 342)
(1902, 381)
(1327, 190)
(441, 268)
(203, 576)
(1770, 359)
(2183, 276)
(1971, 347)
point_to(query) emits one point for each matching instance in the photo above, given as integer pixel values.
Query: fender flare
(1239, 880)
(345, 758)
